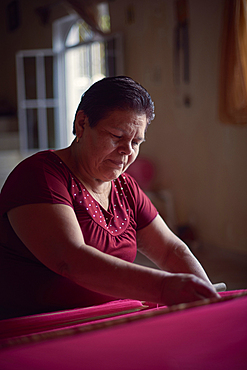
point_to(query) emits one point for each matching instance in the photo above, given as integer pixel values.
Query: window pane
(104, 17)
(79, 32)
(51, 127)
(110, 58)
(49, 76)
(98, 60)
(84, 66)
(30, 77)
(32, 129)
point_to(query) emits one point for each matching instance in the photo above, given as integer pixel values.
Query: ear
(80, 121)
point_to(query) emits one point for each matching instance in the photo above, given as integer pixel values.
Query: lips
(117, 163)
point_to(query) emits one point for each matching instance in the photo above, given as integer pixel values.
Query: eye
(135, 143)
(116, 136)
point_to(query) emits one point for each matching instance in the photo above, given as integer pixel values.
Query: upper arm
(50, 231)
(157, 242)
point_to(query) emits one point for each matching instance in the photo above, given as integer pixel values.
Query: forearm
(167, 251)
(181, 260)
(112, 276)
(62, 249)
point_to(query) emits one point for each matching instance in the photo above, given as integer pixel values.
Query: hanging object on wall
(233, 64)
(181, 43)
(13, 15)
(130, 15)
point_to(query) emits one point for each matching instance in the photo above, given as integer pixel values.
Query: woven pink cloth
(210, 336)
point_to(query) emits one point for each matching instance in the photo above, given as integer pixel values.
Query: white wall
(201, 160)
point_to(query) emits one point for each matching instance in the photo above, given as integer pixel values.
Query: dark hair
(115, 93)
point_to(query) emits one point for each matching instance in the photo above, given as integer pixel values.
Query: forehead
(124, 120)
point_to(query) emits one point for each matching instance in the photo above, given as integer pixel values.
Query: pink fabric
(209, 337)
(21, 326)
(26, 285)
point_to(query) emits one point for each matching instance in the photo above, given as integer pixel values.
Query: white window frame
(41, 103)
(61, 28)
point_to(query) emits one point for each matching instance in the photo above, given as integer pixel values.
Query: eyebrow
(139, 138)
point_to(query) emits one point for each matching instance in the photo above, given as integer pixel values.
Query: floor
(221, 266)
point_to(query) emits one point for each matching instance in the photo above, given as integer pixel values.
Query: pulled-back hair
(115, 93)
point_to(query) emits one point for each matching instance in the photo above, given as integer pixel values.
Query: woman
(71, 219)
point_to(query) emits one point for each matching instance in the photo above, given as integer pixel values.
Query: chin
(114, 175)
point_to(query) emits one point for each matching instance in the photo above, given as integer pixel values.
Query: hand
(185, 288)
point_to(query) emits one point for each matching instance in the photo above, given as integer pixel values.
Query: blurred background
(193, 164)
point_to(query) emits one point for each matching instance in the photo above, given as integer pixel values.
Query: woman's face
(108, 149)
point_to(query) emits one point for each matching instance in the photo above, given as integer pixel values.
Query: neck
(96, 185)
(99, 189)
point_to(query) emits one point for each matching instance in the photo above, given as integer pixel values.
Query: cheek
(133, 156)
(110, 145)
(106, 147)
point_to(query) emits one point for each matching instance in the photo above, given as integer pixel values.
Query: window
(84, 56)
(37, 103)
(84, 65)
(51, 82)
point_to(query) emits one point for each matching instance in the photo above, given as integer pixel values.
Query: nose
(125, 148)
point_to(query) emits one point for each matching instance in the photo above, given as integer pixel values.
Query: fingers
(185, 288)
(205, 290)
